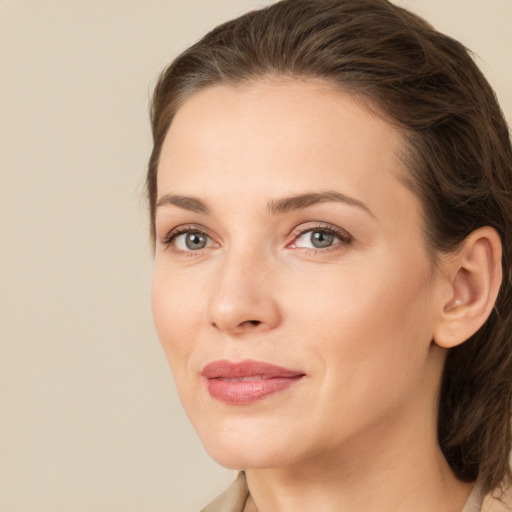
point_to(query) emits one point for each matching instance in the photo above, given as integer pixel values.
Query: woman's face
(292, 291)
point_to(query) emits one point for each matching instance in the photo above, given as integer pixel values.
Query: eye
(191, 241)
(188, 239)
(316, 239)
(321, 237)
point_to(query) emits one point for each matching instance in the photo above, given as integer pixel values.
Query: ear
(475, 275)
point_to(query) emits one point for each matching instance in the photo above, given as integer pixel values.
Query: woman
(330, 192)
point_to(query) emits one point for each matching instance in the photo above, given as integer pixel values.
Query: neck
(397, 469)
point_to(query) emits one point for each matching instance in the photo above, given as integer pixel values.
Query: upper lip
(235, 370)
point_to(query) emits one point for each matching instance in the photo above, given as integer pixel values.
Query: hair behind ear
(476, 401)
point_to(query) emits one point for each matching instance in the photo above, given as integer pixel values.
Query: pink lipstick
(247, 381)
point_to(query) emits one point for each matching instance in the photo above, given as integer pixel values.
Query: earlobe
(476, 275)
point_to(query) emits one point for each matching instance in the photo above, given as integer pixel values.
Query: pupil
(195, 241)
(320, 239)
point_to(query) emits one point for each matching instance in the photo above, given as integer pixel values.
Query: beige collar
(234, 498)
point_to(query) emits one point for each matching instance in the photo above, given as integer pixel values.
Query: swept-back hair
(459, 163)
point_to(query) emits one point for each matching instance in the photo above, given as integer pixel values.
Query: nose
(243, 299)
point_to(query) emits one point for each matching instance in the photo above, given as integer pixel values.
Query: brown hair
(459, 161)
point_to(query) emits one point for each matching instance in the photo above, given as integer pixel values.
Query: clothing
(233, 499)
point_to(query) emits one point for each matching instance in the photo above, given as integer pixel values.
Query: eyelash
(343, 236)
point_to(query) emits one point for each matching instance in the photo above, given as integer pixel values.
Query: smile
(247, 381)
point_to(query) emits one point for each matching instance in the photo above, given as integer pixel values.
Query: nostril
(246, 323)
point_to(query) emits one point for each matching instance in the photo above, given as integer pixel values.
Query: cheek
(370, 322)
(177, 309)
(369, 341)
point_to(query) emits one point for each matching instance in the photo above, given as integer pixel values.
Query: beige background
(89, 417)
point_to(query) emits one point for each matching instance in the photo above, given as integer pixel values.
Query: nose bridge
(243, 297)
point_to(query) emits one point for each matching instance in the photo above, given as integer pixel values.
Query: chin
(248, 447)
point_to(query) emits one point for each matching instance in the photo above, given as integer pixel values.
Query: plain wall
(89, 418)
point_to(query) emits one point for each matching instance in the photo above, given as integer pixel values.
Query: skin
(357, 317)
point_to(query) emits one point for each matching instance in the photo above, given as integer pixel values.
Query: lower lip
(248, 392)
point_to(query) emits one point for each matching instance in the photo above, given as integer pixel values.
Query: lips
(247, 381)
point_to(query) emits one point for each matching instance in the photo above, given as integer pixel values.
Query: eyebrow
(275, 206)
(187, 203)
(301, 201)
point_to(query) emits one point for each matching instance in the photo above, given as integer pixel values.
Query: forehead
(290, 107)
(273, 138)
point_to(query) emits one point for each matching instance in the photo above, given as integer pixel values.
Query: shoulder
(502, 503)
